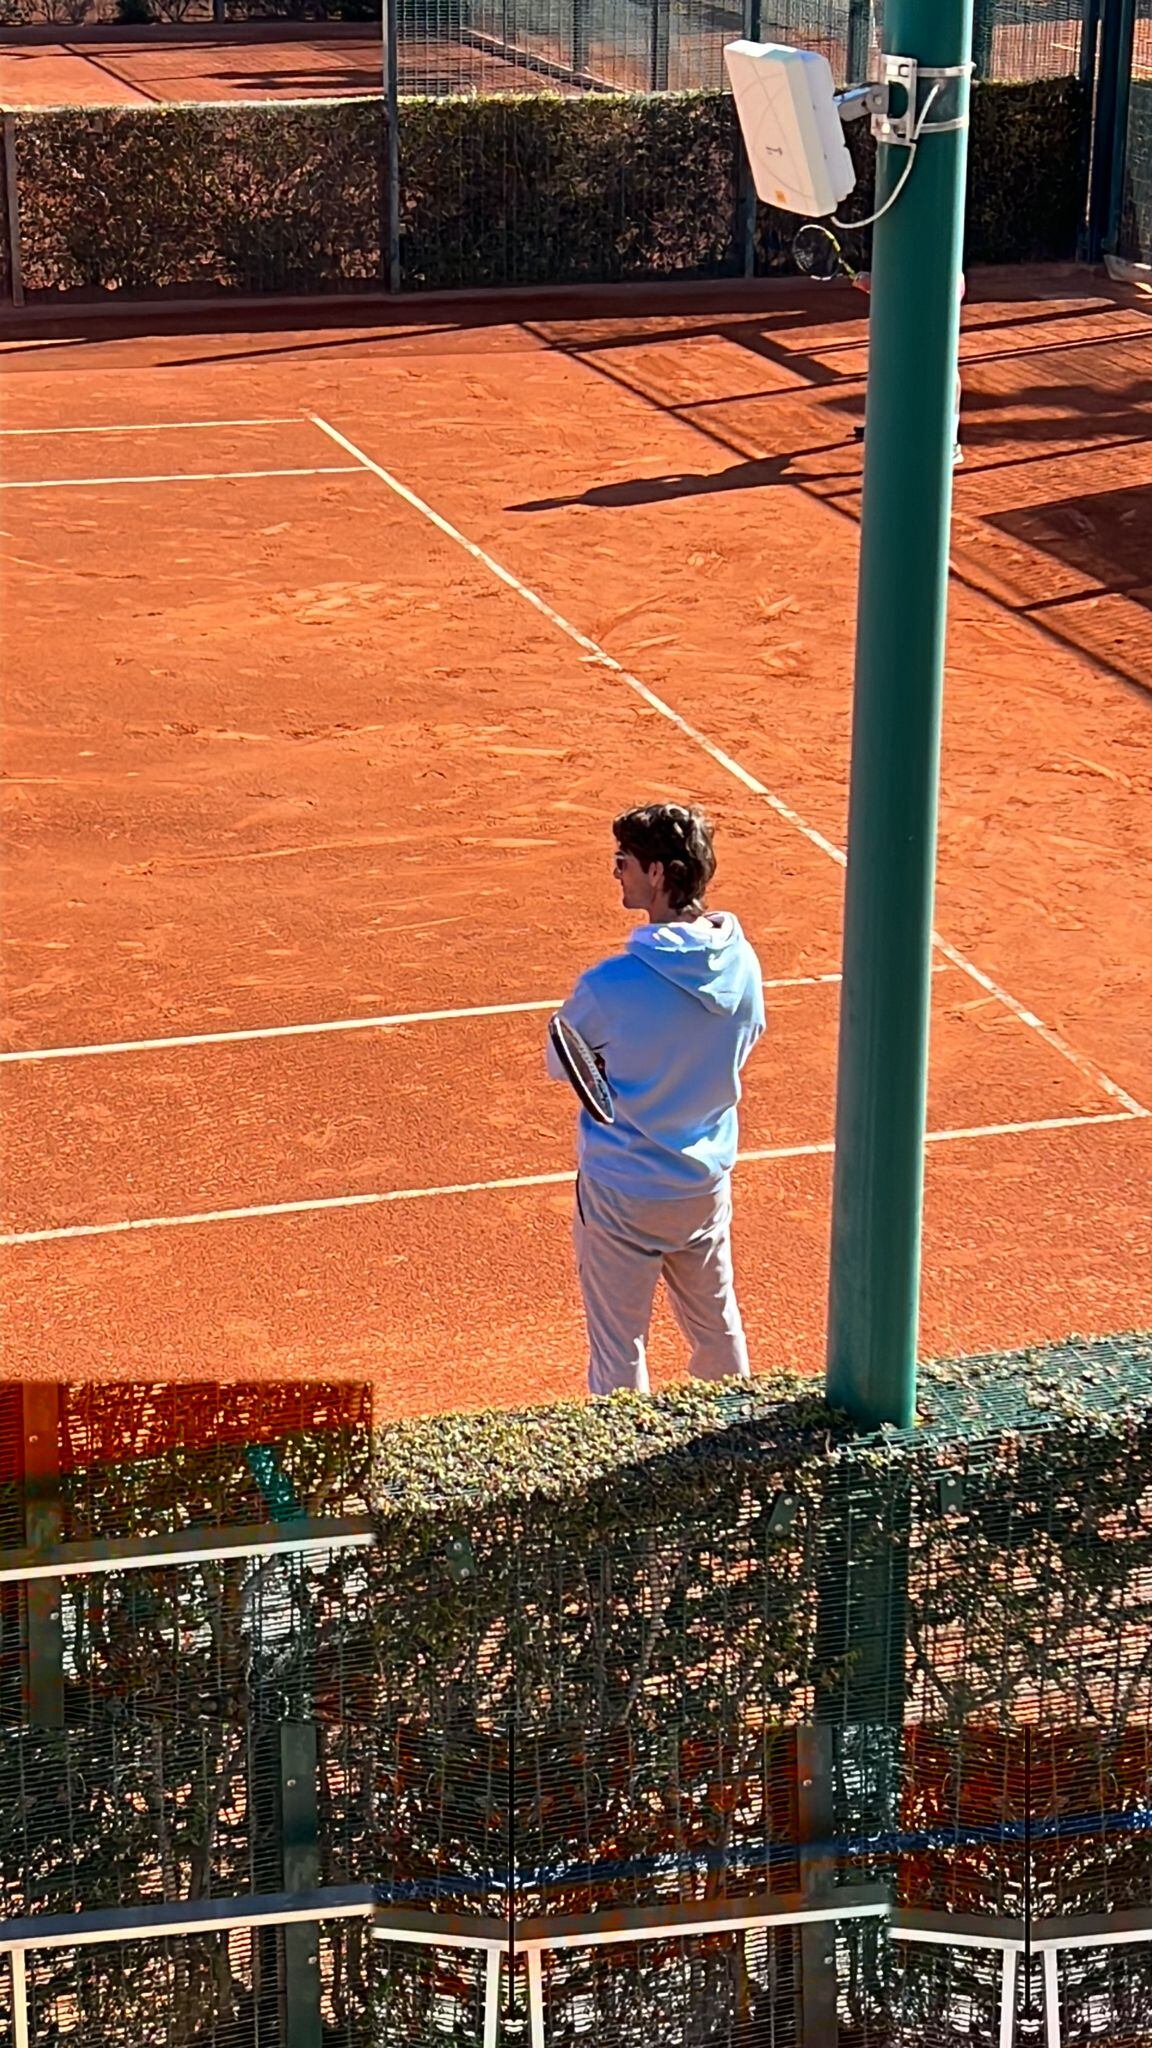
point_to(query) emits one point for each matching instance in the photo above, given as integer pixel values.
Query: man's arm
(583, 1013)
(757, 1019)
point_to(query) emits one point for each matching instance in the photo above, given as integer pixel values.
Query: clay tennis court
(332, 651)
(199, 61)
(192, 62)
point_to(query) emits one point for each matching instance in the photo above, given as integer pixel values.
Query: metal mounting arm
(859, 100)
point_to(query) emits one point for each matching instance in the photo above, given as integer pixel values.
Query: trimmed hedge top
(573, 1450)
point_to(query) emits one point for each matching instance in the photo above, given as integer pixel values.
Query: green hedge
(1026, 188)
(546, 190)
(494, 191)
(137, 201)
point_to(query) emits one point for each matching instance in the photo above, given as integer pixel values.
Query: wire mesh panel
(944, 1997)
(594, 1661)
(225, 1990)
(724, 1990)
(273, 1637)
(139, 1460)
(1106, 1997)
(513, 192)
(286, 1635)
(1024, 39)
(427, 1997)
(135, 1812)
(573, 46)
(678, 1812)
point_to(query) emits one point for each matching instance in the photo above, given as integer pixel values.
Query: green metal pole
(909, 434)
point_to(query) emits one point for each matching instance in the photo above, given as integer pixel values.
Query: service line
(154, 426)
(391, 1022)
(179, 476)
(377, 1198)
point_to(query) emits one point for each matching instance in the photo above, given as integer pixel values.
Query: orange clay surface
(125, 67)
(283, 752)
(188, 61)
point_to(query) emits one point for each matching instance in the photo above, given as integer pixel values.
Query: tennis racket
(583, 1070)
(817, 252)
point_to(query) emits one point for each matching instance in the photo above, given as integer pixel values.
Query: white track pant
(623, 1245)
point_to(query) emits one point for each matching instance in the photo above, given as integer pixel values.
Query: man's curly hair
(678, 836)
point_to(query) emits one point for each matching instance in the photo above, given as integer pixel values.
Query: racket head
(583, 1070)
(817, 253)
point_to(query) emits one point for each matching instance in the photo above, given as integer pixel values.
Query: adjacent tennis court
(333, 651)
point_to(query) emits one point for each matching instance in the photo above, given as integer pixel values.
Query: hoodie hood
(707, 958)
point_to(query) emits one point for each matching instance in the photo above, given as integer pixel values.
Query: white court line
(520, 1180)
(157, 426)
(78, 1052)
(179, 476)
(1055, 1039)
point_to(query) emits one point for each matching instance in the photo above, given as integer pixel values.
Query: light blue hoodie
(674, 1018)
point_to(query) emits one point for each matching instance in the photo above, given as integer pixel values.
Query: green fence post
(1125, 37)
(909, 432)
(390, 224)
(659, 45)
(859, 41)
(819, 1875)
(745, 189)
(1089, 50)
(300, 1825)
(983, 34)
(579, 37)
(1110, 125)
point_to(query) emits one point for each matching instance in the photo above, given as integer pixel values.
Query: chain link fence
(1134, 233)
(707, 1654)
(447, 46)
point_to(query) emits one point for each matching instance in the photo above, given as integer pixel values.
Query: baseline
(381, 1023)
(377, 1198)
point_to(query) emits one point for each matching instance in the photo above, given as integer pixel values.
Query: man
(673, 1019)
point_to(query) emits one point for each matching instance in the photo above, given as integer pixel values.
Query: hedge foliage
(256, 198)
(497, 191)
(1026, 184)
(547, 190)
